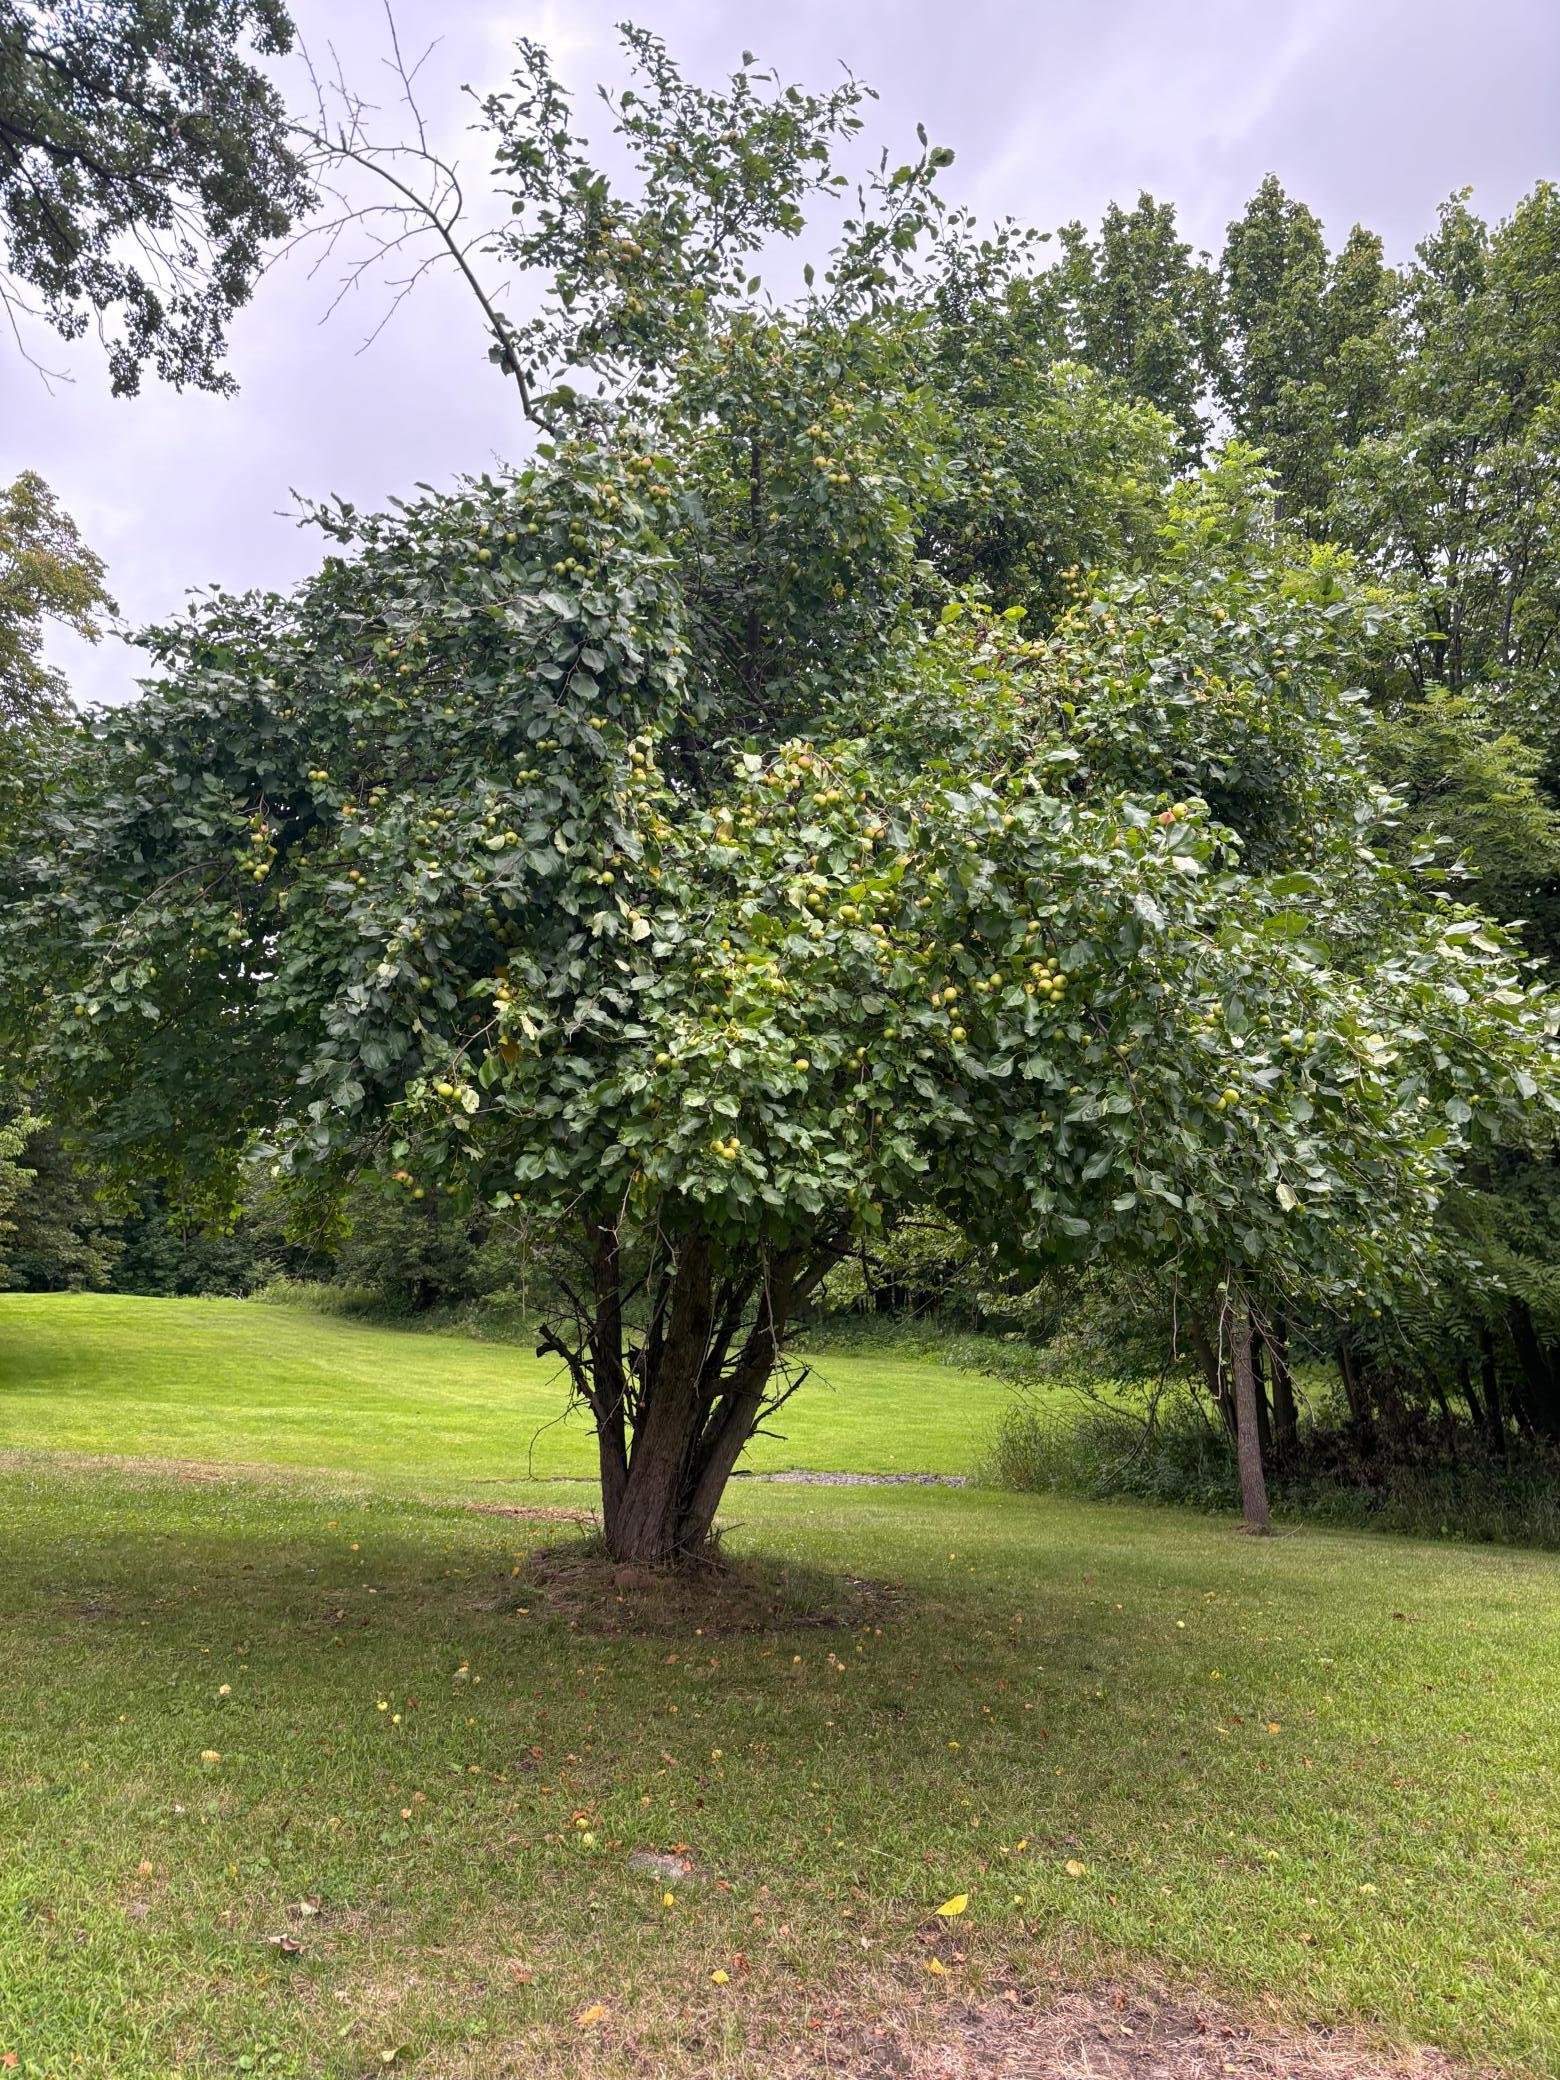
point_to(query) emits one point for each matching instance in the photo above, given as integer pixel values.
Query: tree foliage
(47, 573)
(748, 825)
(145, 164)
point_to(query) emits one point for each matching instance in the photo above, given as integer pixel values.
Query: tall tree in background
(145, 164)
(1457, 496)
(1136, 305)
(1304, 338)
(15, 1177)
(1413, 419)
(51, 1229)
(1456, 493)
(47, 573)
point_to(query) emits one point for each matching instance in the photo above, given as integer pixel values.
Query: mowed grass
(1322, 1770)
(232, 1380)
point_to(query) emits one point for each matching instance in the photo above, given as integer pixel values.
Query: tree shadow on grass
(711, 1593)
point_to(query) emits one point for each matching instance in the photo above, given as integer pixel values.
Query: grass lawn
(235, 1381)
(1323, 1770)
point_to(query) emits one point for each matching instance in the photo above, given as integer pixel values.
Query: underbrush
(1176, 1454)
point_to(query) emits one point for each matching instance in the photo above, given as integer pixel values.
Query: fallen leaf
(953, 1906)
(521, 1974)
(937, 1968)
(721, 1978)
(210, 1755)
(587, 2016)
(1074, 1868)
(144, 1868)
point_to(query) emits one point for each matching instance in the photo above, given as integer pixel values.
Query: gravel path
(795, 1477)
(799, 1478)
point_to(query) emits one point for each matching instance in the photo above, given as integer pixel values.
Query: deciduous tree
(656, 842)
(145, 164)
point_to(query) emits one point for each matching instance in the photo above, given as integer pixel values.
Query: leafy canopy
(47, 573)
(406, 869)
(145, 164)
(748, 822)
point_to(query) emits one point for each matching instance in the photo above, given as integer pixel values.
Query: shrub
(1067, 1446)
(1172, 1452)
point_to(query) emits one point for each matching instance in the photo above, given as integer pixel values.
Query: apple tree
(657, 841)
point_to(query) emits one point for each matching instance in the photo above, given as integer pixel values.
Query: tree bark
(1540, 1398)
(608, 1378)
(673, 1416)
(732, 1420)
(1489, 1380)
(1213, 1372)
(1248, 1446)
(1286, 1415)
(1359, 1408)
(1260, 1392)
(644, 1524)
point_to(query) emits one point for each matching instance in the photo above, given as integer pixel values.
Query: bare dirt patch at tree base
(1115, 2031)
(575, 1580)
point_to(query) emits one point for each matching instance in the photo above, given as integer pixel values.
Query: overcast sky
(1370, 110)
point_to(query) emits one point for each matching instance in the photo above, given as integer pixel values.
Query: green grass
(232, 1381)
(1324, 1769)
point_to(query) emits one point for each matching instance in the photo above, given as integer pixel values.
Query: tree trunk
(1248, 1446)
(1213, 1372)
(1286, 1415)
(1260, 1393)
(1489, 1380)
(645, 1523)
(1540, 1397)
(672, 1416)
(1359, 1408)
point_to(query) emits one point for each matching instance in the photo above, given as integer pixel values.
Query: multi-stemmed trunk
(677, 1393)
